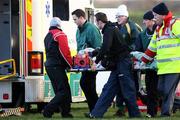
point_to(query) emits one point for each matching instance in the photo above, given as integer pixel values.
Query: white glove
(134, 53)
(94, 59)
(142, 65)
(137, 65)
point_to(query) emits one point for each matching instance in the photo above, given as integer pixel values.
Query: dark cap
(148, 15)
(161, 9)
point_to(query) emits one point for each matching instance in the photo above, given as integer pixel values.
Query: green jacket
(129, 38)
(144, 39)
(88, 36)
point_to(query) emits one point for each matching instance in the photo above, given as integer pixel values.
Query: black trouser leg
(151, 80)
(136, 80)
(61, 88)
(88, 85)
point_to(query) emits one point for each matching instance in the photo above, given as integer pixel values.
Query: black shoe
(46, 114)
(67, 115)
(120, 113)
(89, 115)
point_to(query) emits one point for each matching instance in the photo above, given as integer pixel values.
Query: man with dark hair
(114, 50)
(87, 35)
(79, 13)
(151, 78)
(58, 58)
(165, 44)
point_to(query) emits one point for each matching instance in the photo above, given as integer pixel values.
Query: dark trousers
(120, 79)
(119, 97)
(136, 80)
(151, 81)
(166, 86)
(62, 98)
(88, 85)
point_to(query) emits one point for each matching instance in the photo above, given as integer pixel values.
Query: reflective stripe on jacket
(166, 44)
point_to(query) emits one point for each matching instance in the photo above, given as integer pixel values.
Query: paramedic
(165, 44)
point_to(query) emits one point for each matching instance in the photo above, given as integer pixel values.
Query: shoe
(46, 114)
(89, 115)
(67, 115)
(86, 114)
(151, 115)
(120, 113)
(148, 116)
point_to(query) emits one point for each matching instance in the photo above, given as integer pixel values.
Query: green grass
(78, 110)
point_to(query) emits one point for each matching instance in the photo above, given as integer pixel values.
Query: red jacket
(57, 49)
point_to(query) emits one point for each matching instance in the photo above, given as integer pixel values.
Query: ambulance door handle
(5, 4)
(6, 22)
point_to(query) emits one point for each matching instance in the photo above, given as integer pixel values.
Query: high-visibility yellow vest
(167, 48)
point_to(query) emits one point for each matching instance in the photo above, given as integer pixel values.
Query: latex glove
(93, 66)
(142, 65)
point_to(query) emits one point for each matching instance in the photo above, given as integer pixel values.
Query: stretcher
(83, 62)
(85, 69)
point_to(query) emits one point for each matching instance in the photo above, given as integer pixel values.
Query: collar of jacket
(83, 26)
(167, 19)
(106, 25)
(54, 27)
(149, 32)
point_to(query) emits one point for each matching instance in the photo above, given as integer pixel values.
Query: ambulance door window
(61, 9)
(5, 30)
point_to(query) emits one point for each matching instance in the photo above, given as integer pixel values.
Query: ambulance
(23, 26)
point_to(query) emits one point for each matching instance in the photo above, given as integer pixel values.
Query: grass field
(78, 110)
